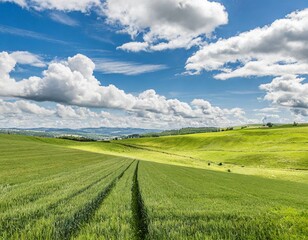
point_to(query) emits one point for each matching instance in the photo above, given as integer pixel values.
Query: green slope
(49, 190)
(280, 153)
(277, 147)
(188, 203)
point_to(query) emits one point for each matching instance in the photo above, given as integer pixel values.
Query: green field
(278, 153)
(157, 188)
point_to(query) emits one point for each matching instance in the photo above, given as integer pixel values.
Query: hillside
(48, 190)
(275, 153)
(277, 147)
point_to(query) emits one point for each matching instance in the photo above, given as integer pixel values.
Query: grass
(247, 146)
(188, 203)
(61, 189)
(114, 219)
(48, 191)
(279, 153)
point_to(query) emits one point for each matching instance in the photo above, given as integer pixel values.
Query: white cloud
(207, 109)
(288, 91)
(22, 3)
(280, 50)
(23, 113)
(63, 18)
(275, 50)
(67, 5)
(126, 68)
(24, 57)
(23, 107)
(72, 82)
(69, 112)
(162, 24)
(7, 64)
(165, 24)
(134, 46)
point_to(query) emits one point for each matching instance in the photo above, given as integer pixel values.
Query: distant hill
(182, 131)
(92, 133)
(112, 133)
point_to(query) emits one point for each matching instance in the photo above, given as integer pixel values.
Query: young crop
(187, 203)
(51, 189)
(114, 218)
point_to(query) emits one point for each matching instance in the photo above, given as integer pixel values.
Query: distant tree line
(226, 129)
(77, 138)
(182, 131)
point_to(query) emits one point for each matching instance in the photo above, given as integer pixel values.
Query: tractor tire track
(67, 228)
(140, 217)
(32, 197)
(20, 222)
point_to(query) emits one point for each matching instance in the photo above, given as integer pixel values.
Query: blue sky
(54, 32)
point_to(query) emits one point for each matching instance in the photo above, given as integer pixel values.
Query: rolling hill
(156, 188)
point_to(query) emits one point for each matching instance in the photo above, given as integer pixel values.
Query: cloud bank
(71, 82)
(279, 49)
(158, 25)
(165, 24)
(288, 91)
(274, 50)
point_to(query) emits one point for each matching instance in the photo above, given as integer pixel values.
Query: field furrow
(139, 213)
(29, 193)
(60, 189)
(114, 218)
(19, 218)
(66, 228)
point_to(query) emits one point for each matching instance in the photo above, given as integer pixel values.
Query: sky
(160, 64)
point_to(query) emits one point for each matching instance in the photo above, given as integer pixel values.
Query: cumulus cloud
(288, 91)
(22, 113)
(72, 82)
(23, 107)
(274, 50)
(279, 49)
(7, 64)
(165, 24)
(162, 24)
(26, 114)
(73, 112)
